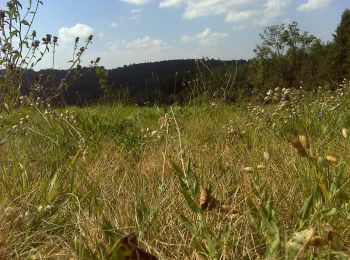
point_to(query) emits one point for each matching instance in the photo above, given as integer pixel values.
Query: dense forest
(285, 57)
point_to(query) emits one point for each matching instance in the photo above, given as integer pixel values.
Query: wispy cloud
(136, 11)
(170, 3)
(137, 2)
(114, 25)
(207, 37)
(68, 34)
(240, 16)
(254, 11)
(148, 43)
(272, 9)
(313, 5)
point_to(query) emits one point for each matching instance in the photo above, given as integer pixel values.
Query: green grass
(71, 186)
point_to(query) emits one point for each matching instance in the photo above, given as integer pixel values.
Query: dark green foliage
(341, 48)
(284, 57)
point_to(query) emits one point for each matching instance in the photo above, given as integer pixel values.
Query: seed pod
(248, 169)
(331, 159)
(260, 166)
(295, 142)
(304, 141)
(267, 155)
(344, 132)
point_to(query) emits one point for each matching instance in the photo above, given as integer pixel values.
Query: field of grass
(211, 181)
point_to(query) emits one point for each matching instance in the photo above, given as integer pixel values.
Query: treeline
(288, 57)
(146, 83)
(285, 57)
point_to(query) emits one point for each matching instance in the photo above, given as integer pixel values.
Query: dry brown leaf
(206, 200)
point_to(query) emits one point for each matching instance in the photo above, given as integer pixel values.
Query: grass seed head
(300, 147)
(248, 169)
(267, 155)
(344, 132)
(331, 159)
(304, 141)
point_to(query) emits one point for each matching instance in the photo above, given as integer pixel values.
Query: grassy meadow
(209, 181)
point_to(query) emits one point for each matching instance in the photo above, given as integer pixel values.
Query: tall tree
(281, 55)
(341, 55)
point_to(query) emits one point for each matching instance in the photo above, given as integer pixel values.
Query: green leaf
(188, 224)
(305, 211)
(190, 201)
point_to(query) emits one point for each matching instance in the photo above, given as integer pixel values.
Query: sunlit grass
(74, 182)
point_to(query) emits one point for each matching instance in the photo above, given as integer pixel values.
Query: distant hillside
(145, 82)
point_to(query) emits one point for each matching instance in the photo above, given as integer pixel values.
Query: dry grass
(71, 189)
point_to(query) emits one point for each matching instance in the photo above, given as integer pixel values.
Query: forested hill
(136, 83)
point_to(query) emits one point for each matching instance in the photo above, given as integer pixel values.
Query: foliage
(283, 57)
(341, 49)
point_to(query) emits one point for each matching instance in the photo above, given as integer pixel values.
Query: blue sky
(133, 31)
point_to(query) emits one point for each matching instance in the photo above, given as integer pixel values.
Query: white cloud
(170, 3)
(207, 37)
(137, 2)
(112, 46)
(240, 16)
(148, 43)
(136, 11)
(68, 34)
(258, 12)
(271, 10)
(275, 8)
(114, 24)
(314, 4)
(101, 34)
(200, 8)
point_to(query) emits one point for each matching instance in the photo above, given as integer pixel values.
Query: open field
(74, 182)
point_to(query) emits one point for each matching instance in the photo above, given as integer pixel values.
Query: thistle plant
(21, 51)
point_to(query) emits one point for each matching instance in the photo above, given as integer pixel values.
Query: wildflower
(90, 37)
(2, 14)
(82, 49)
(10, 65)
(34, 33)
(48, 37)
(55, 39)
(3, 49)
(36, 43)
(76, 40)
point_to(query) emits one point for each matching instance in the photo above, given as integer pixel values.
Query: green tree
(341, 50)
(281, 55)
